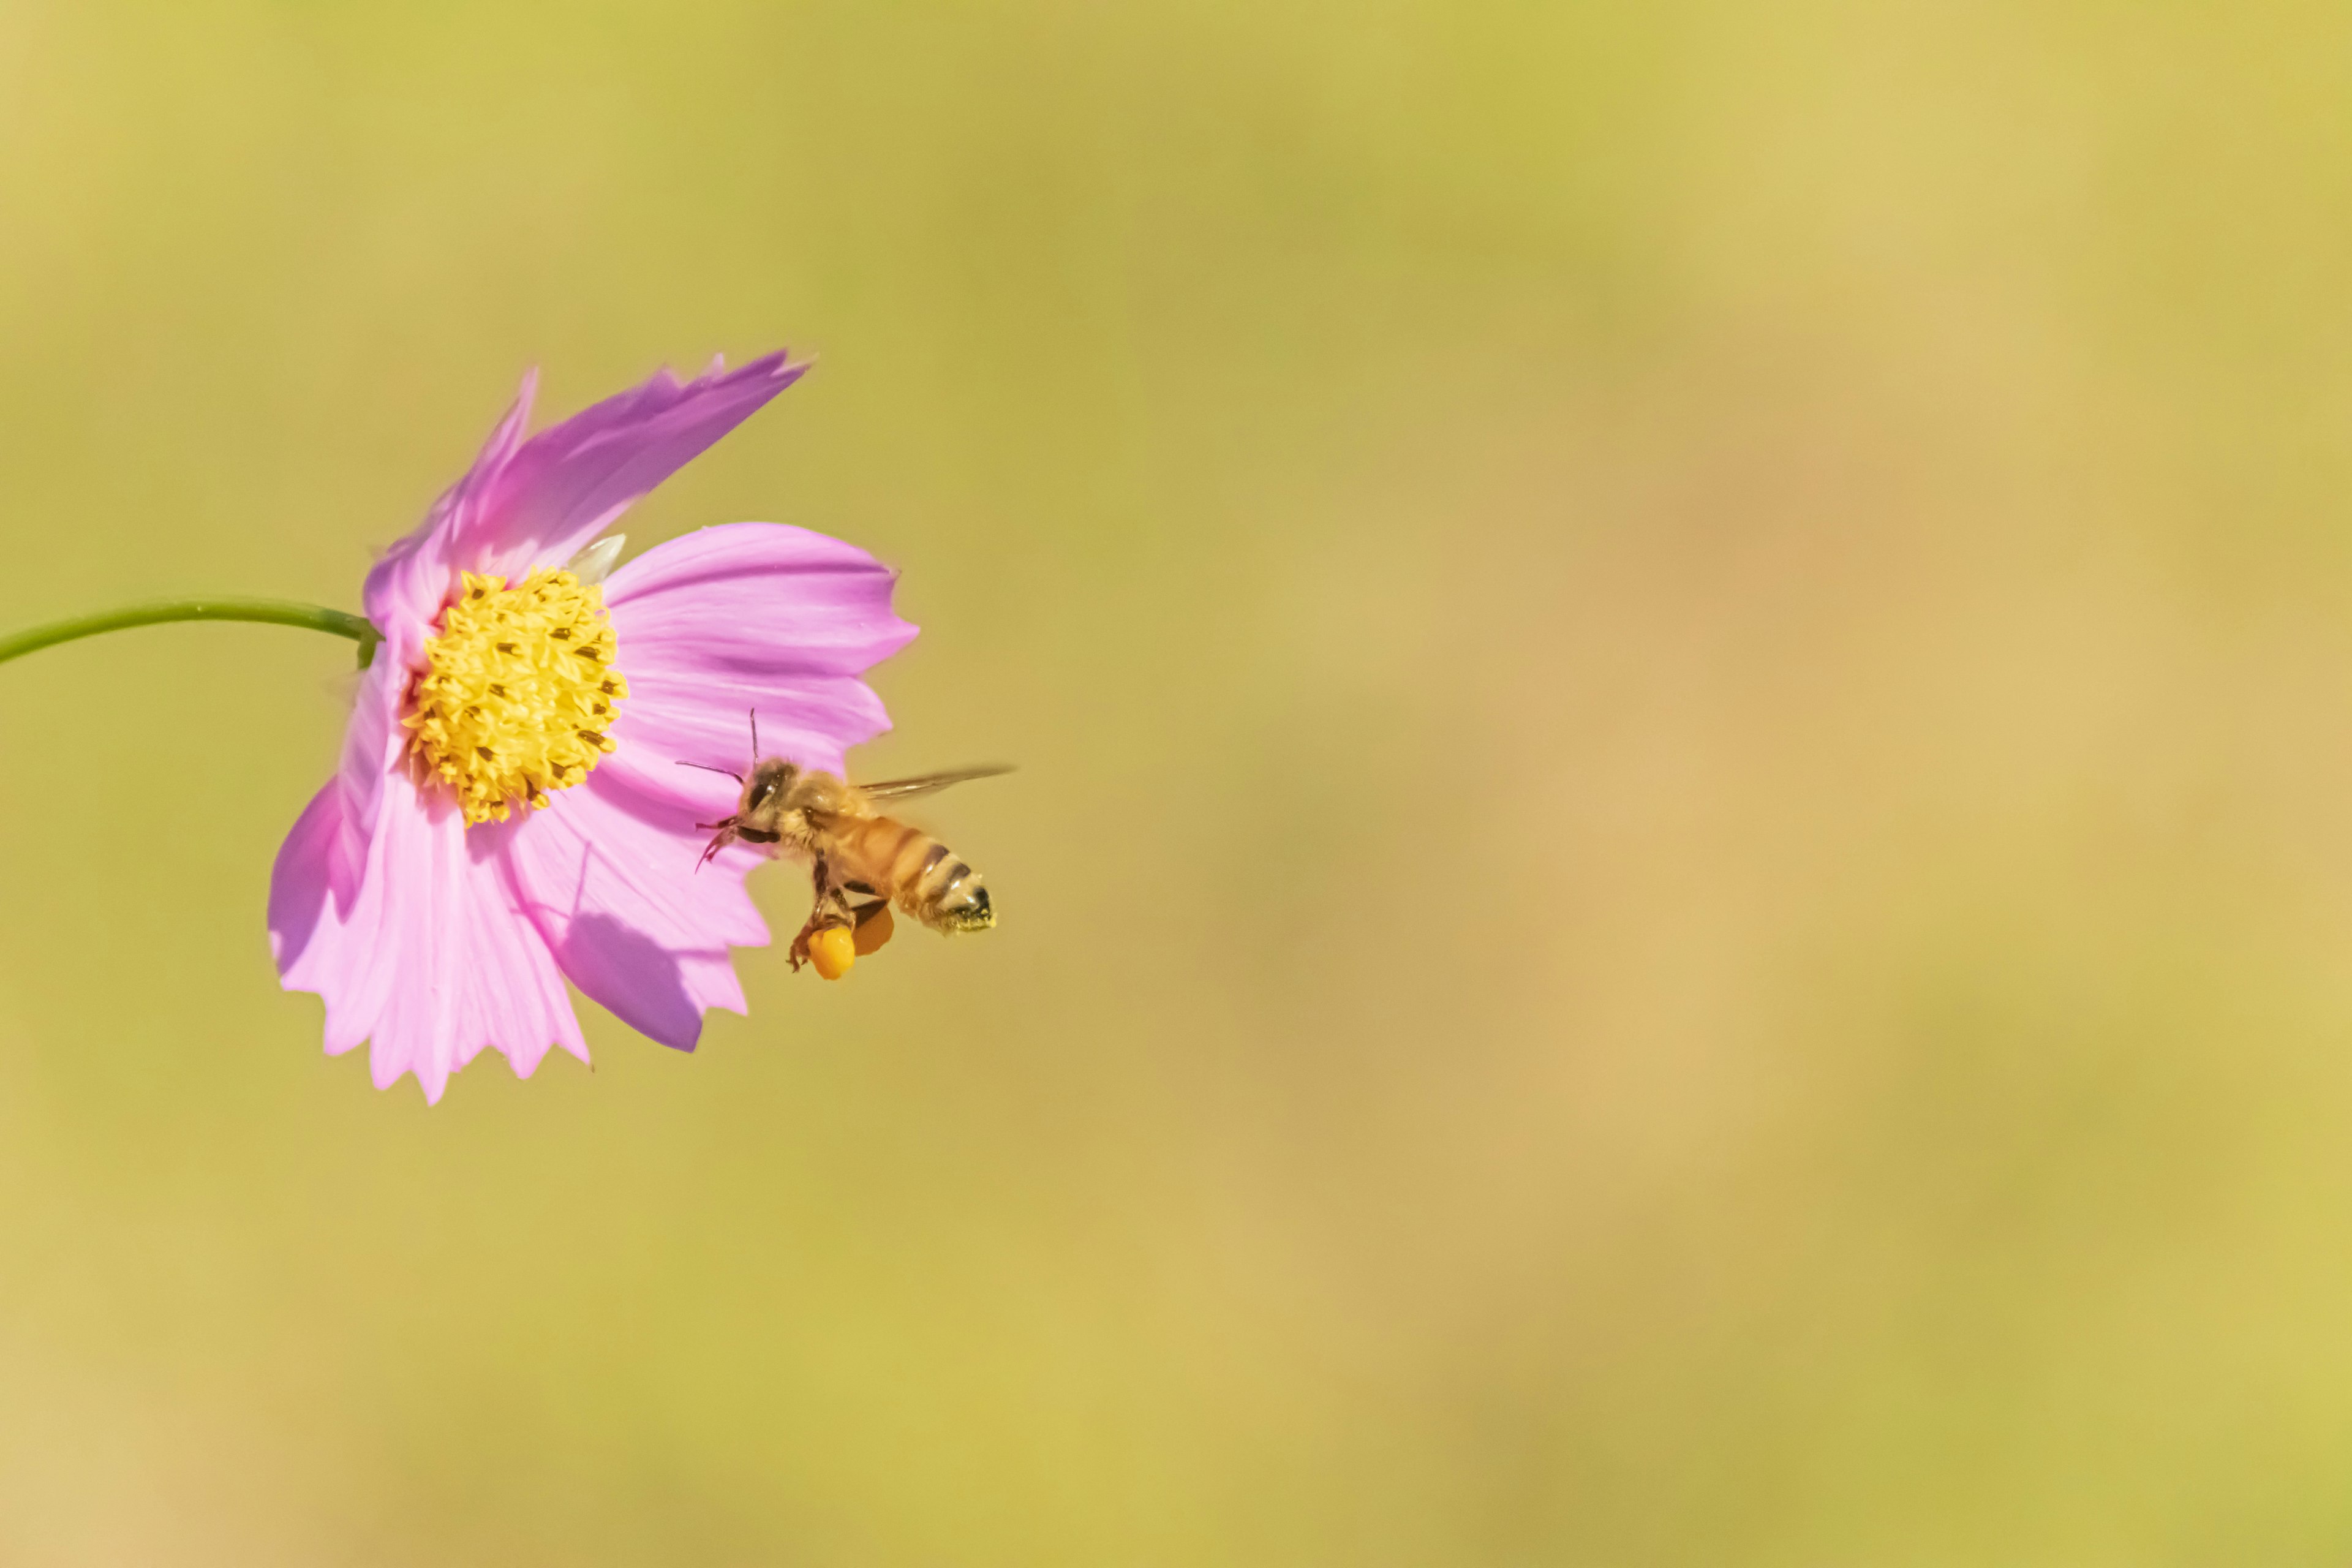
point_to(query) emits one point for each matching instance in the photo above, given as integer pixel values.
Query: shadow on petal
(302, 878)
(633, 977)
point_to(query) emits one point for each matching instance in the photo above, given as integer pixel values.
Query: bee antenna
(706, 768)
(755, 734)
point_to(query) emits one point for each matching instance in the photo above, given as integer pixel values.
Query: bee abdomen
(927, 880)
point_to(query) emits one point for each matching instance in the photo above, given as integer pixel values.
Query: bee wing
(927, 784)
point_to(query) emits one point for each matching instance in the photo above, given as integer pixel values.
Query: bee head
(761, 817)
(771, 782)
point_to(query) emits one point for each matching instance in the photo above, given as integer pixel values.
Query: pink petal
(313, 883)
(537, 503)
(755, 599)
(372, 743)
(568, 483)
(413, 579)
(430, 955)
(610, 877)
(669, 719)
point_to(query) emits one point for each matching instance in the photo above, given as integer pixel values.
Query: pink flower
(509, 813)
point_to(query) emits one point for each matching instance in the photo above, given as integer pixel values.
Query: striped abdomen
(916, 872)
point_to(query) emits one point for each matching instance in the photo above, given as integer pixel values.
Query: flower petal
(313, 883)
(413, 579)
(614, 883)
(566, 484)
(536, 502)
(753, 616)
(668, 721)
(429, 954)
(372, 743)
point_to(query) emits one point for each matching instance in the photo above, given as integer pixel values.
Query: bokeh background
(1681, 885)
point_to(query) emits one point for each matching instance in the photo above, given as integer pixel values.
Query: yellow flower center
(516, 691)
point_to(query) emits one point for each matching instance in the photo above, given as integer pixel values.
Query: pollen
(516, 693)
(833, 951)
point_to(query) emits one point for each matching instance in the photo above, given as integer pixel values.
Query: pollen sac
(833, 951)
(518, 692)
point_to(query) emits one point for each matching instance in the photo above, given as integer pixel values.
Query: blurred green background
(1681, 885)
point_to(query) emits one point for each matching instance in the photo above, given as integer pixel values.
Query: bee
(853, 850)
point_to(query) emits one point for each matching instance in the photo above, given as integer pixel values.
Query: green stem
(277, 612)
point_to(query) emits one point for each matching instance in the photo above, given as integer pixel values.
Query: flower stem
(277, 612)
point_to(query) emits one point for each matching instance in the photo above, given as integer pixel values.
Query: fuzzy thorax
(517, 692)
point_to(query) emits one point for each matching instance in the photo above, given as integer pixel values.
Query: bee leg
(832, 903)
(831, 910)
(725, 835)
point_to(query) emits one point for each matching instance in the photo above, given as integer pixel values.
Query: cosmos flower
(509, 812)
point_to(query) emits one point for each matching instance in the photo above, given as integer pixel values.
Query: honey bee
(853, 850)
